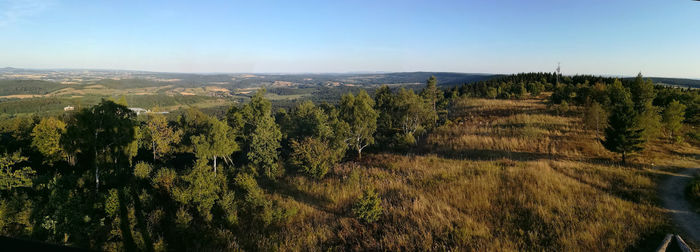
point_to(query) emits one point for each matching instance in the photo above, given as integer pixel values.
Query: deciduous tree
(46, 138)
(358, 112)
(673, 117)
(13, 176)
(101, 134)
(161, 136)
(595, 117)
(259, 133)
(313, 156)
(218, 140)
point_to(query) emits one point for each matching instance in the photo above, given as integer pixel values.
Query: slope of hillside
(507, 175)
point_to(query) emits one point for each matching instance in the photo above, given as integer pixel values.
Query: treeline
(581, 90)
(101, 179)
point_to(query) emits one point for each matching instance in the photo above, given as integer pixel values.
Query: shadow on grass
(489, 155)
(283, 187)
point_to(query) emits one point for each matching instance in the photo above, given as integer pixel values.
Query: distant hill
(685, 83)
(139, 79)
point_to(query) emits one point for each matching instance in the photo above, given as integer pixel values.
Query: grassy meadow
(504, 175)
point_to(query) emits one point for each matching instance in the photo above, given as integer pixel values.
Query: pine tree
(265, 145)
(431, 92)
(622, 134)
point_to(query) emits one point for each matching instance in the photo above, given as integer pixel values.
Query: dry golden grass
(506, 176)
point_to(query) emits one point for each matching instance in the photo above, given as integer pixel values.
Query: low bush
(368, 207)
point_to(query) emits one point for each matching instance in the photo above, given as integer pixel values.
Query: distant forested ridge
(38, 87)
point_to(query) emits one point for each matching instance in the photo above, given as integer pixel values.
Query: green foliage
(46, 137)
(563, 108)
(643, 93)
(16, 215)
(431, 93)
(313, 157)
(650, 122)
(491, 92)
(183, 218)
(518, 90)
(673, 117)
(201, 188)
(368, 207)
(622, 134)
(13, 87)
(359, 114)
(307, 120)
(648, 117)
(264, 146)
(161, 136)
(102, 135)
(260, 134)
(535, 88)
(193, 122)
(132, 149)
(142, 170)
(16, 133)
(414, 113)
(254, 199)
(595, 117)
(12, 176)
(164, 179)
(112, 203)
(228, 204)
(217, 140)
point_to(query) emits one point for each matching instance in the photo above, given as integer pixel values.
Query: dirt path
(673, 197)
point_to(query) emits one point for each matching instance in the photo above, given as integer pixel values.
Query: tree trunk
(153, 146)
(624, 158)
(214, 166)
(359, 153)
(97, 178)
(97, 172)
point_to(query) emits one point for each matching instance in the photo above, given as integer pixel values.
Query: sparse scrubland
(536, 169)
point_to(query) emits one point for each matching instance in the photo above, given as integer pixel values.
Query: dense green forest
(38, 87)
(100, 178)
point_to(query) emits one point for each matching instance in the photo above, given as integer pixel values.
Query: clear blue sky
(658, 38)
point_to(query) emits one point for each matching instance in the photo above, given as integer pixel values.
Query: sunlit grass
(525, 180)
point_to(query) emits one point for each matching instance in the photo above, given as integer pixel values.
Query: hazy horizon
(606, 38)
